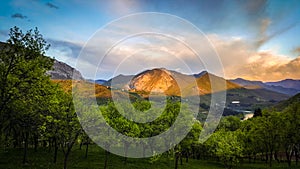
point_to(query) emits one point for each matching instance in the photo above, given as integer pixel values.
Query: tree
(267, 132)
(23, 82)
(257, 112)
(226, 146)
(69, 128)
(229, 123)
(291, 132)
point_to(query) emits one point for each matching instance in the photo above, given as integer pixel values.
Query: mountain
(155, 81)
(204, 83)
(120, 81)
(161, 82)
(269, 86)
(62, 70)
(287, 83)
(100, 81)
(248, 84)
(200, 74)
(173, 83)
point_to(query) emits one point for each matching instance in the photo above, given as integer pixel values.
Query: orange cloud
(240, 59)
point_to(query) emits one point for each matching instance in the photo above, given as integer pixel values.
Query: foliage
(226, 146)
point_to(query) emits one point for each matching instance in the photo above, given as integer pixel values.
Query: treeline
(269, 136)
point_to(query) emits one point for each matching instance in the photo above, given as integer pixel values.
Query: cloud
(297, 50)
(239, 55)
(240, 59)
(50, 5)
(263, 35)
(72, 49)
(267, 68)
(19, 15)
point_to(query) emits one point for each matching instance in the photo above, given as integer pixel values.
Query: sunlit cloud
(238, 55)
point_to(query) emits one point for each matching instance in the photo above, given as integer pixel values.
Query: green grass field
(42, 159)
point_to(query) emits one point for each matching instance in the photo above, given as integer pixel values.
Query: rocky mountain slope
(63, 71)
(169, 82)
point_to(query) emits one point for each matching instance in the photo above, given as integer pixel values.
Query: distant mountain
(248, 84)
(120, 81)
(259, 84)
(200, 74)
(161, 81)
(63, 71)
(100, 81)
(287, 83)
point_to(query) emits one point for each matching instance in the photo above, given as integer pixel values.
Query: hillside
(283, 104)
(120, 81)
(84, 88)
(204, 83)
(62, 70)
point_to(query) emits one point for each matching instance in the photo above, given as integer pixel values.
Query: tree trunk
(36, 142)
(80, 145)
(288, 157)
(25, 148)
(55, 150)
(271, 158)
(181, 163)
(176, 160)
(106, 159)
(66, 159)
(276, 156)
(296, 155)
(187, 157)
(50, 144)
(86, 149)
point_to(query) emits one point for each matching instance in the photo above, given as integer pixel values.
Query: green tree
(23, 84)
(229, 123)
(226, 146)
(291, 132)
(267, 133)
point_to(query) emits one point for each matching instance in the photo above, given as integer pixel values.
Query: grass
(42, 159)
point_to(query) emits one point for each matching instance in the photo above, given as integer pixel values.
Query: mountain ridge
(249, 84)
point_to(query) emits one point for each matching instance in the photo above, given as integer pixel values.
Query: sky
(255, 39)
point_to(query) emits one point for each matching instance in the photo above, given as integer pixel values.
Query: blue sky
(255, 39)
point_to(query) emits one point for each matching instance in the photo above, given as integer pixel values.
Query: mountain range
(288, 86)
(242, 94)
(139, 82)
